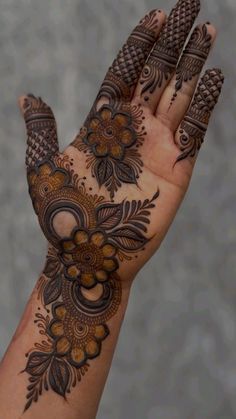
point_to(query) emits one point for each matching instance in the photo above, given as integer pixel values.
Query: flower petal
(116, 151)
(92, 139)
(101, 332)
(106, 113)
(45, 169)
(68, 245)
(72, 271)
(101, 149)
(110, 265)
(94, 123)
(57, 328)
(78, 356)
(92, 349)
(58, 179)
(101, 275)
(122, 120)
(97, 238)
(127, 137)
(87, 280)
(62, 345)
(60, 312)
(80, 236)
(108, 250)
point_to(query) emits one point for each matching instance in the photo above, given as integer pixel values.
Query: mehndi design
(42, 139)
(193, 58)
(80, 289)
(111, 139)
(72, 323)
(165, 54)
(194, 125)
(113, 133)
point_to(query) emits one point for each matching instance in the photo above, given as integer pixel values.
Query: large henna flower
(110, 132)
(88, 257)
(45, 179)
(78, 341)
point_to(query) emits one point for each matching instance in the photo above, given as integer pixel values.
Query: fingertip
(154, 20)
(22, 103)
(211, 29)
(161, 14)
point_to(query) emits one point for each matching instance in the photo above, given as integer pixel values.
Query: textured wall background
(176, 357)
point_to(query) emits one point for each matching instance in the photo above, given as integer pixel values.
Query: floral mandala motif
(80, 289)
(111, 138)
(78, 342)
(109, 133)
(88, 257)
(45, 180)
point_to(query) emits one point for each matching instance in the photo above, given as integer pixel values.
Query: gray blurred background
(176, 357)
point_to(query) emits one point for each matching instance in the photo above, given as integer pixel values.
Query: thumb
(42, 141)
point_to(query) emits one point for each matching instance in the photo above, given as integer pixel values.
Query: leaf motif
(156, 195)
(128, 238)
(52, 290)
(37, 363)
(125, 172)
(109, 215)
(59, 376)
(103, 171)
(28, 404)
(52, 267)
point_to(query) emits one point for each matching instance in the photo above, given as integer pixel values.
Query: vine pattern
(104, 234)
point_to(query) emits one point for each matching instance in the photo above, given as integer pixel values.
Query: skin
(159, 153)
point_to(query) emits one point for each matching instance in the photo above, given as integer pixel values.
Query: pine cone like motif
(164, 56)
(41, 131)
(207, 95)
(178, 24)
(129, 63)
(130, 60)
(41, 145)
(194, 125)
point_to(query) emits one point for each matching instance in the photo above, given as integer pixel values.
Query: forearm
(90, 379)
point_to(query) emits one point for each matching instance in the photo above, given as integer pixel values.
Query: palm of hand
(106, 203)
(130, 144)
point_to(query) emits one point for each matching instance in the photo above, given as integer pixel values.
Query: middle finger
(162, 61)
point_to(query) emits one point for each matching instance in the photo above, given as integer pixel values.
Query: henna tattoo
(104, 234)
(111, 139)
(112, 134)
(193, 58)
(126, 68)
(41, 130)
(194, 125)
(164, 56)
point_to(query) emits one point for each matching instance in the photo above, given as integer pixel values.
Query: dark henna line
(165, 54)
(194, 126)
(41, 131)
(193, 58)
(74, 325)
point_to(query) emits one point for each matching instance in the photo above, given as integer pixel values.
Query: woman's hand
(106, 203)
